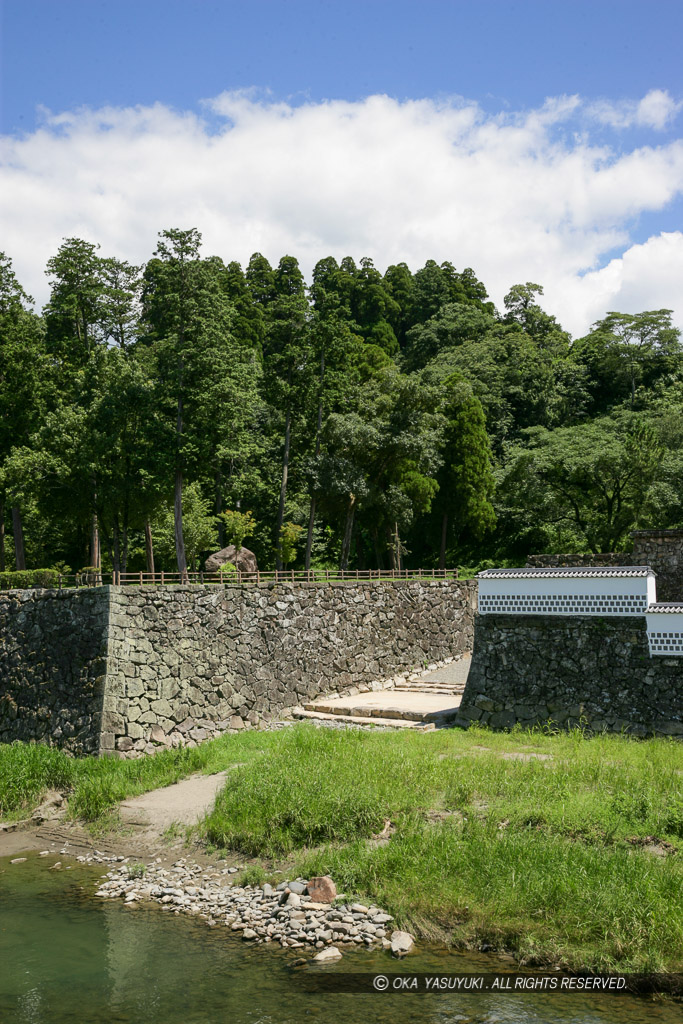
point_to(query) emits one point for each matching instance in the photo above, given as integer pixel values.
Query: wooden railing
(140, 579)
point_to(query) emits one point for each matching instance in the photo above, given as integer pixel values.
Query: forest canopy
(152, 414)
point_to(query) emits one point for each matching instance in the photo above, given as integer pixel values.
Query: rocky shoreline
(296, 914)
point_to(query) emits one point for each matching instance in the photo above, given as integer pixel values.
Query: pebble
(260, 913)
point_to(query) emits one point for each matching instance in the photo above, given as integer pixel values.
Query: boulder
(401, 943)
(322, 889)
(244, 559)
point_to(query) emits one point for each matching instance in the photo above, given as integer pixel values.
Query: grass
(527, 841)
(96, 785)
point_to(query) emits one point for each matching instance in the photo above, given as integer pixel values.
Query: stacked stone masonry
(571, 670)
(662, 550)
(125, 669)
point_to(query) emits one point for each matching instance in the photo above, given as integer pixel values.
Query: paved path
(456, 672)
(423, 701)
(184, 802)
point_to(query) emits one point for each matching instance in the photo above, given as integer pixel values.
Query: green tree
(287, 380)
(465, 479)
(590, 480)
(199, 528)
(452, 325)
(336, 351)
(25, 393)
(626, 351)
(380, 462)
(189, 319)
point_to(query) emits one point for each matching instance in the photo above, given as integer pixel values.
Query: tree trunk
(309, 538)
(117, 544)
(218, 502)
(18, 538)
(283, 491)
(95, 554)
(391, 545)
(2, 536)
(149, 547)
(124, 548)
(397, 542)
(178, 494)
(444, 533)
(311, 518)
(179, 539)
(348, 530)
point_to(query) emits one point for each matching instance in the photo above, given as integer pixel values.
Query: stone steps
(357, 719)
(430, 688)
(388, 712)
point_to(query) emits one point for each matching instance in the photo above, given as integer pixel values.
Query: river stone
(248, 934)
(293, 900)
(401, 943)
(298, 887)
(327, 955)
(322, 889)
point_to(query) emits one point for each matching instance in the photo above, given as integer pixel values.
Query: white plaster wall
(665, 633)
(565, 595)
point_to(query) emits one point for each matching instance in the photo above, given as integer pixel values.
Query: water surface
(69, 958)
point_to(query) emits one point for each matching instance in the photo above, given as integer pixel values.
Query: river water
(69, 958)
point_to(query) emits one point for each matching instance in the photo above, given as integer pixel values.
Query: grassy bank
(96, 785)
(562, 848)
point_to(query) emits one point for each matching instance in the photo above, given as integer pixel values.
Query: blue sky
(572, 107)
(64, 53)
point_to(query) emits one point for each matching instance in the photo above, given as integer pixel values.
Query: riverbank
(561, 850)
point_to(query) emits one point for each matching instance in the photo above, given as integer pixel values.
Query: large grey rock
(244, 559)
(401, 943)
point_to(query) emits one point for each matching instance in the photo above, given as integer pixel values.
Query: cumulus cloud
(516, 196)
(655, 110)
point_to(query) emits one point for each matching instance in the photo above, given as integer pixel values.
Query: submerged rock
(327, 955)
(401, 943)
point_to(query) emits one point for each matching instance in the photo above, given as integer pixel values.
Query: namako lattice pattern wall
(589, 591)
(665, 630)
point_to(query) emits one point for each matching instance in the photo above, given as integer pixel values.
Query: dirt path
(145, 818)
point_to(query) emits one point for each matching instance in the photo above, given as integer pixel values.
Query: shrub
(23, 579)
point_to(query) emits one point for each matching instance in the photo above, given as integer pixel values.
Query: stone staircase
(421, 703)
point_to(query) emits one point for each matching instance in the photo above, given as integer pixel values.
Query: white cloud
(655, 110)
(395, 181)
(647, 276)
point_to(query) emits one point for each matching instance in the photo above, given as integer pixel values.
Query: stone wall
(177, 664)
(567, 669)
(662, 550)
(53, 663)
(570, 561)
